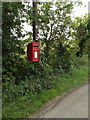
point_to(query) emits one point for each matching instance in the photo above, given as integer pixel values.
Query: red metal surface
(33, 51)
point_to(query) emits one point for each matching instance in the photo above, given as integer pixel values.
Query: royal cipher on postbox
(33, 51)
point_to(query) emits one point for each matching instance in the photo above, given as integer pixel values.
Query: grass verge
(27, 105)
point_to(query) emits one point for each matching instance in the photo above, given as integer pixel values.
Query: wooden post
(34, 22)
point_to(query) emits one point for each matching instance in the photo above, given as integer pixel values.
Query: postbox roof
(35, 43)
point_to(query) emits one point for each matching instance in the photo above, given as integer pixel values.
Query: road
(75, 105)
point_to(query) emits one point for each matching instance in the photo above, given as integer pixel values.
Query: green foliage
(22, 78)
(81, 34)
(19, 109)
(54, 24)
(12, 49)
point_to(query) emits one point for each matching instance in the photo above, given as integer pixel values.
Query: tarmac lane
(75, 105)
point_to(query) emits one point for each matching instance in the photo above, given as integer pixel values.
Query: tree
(54, 23)
(54, 29)
(12, 17)
(80, 27)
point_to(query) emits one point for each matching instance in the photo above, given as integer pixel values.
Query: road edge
(52, 103)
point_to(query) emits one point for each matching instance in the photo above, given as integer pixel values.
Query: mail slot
(33, 51)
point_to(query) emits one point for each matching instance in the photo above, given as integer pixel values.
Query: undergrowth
(24, 106)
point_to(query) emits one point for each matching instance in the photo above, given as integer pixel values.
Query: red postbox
(33, 51)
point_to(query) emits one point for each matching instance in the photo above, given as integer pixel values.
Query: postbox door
(35, 54)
